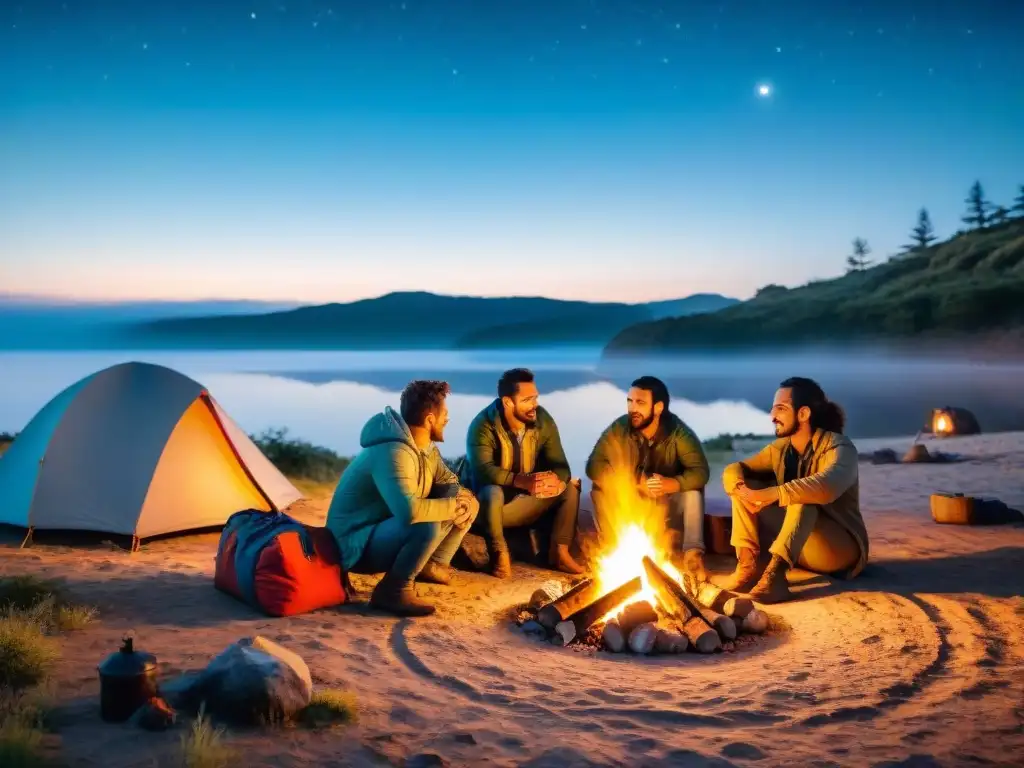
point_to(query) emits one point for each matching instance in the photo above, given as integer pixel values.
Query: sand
(920, 661)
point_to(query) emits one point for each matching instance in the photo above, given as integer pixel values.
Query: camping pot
(127, 681)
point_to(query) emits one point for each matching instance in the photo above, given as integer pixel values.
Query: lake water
(325, 397)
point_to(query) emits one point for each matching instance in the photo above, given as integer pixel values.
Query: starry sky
(609, 150)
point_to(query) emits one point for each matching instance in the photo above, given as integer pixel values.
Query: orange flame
(633, 525)
(942, 423)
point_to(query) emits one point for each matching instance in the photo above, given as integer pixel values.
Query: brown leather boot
(501, 564)
(399, 599)
(435, 573)
(695, 572)
(747, 572)
(773, 587)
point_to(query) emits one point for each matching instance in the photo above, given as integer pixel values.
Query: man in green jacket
(802, 492)
(650, 453)
(517, 468)
(398, 508)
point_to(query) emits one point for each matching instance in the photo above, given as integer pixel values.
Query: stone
(534, 629)
(668, 641)
(540, 598)
(613, 638)
(917, 454)
(754, 622)
(155, 715)
(252, 682)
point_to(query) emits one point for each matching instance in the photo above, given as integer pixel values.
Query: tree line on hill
(981, 213)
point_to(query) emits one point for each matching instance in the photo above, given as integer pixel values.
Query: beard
(781, 430)
(642, 424)
(527, 417)
(437, 435)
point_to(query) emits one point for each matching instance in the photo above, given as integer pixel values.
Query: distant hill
(418, 320)
(968, 286)
(588, 327)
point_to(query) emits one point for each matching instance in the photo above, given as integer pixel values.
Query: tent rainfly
(138, 450)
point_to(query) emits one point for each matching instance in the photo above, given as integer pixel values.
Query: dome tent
(138, 450)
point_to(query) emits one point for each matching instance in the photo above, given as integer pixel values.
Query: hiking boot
(501, 564)
(399, 599)
(695, 573)
(562, 560)
(435, 573)
(773, 587)
(747, 572)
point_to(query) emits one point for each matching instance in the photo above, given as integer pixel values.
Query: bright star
(764, 90)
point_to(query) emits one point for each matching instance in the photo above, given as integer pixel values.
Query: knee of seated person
(571, 491)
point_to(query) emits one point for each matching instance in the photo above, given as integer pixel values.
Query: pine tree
(977, 207)
(1018, 205)
(1000, 215)
(859, 259)
(923, 234)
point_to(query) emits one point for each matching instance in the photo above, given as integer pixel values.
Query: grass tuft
(26, 653)
(328, 708)
(204, 745)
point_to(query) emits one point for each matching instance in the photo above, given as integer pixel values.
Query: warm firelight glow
(635, 527)
(942, 424)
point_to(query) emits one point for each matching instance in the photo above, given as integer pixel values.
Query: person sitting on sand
(668, 465)
(517, 467)
(398, 508)
(801, 492)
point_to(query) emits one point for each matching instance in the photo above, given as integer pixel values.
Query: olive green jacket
(833, 483)
(489, 449)
(676, 453)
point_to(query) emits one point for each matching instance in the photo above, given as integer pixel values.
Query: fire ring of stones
(589, 617)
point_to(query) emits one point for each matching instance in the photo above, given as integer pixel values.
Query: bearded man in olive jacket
(651, 454)
(516, 466)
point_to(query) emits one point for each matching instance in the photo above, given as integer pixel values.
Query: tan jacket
(833, 483)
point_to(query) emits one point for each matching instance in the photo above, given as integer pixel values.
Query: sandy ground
(918, 662)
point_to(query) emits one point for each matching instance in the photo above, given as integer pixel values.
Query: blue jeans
(502, 508)
(684, 512)
(402, 549)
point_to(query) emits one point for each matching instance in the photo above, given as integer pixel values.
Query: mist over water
(326, 397)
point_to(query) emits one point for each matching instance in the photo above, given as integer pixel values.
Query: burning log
(635, 614)
(588, 614)
(755, 622)
(723, 601)
(698, 630)
(613, 637)
(641, 639)
(583, 594)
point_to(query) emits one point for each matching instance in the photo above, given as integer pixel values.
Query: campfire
(636, 598)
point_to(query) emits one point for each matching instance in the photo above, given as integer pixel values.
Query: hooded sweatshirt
(391, 477)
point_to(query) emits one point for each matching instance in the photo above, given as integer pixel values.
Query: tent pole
(27, 539)
(135, 544)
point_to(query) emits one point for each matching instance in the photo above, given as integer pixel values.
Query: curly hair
(420, 398)
(824, 413)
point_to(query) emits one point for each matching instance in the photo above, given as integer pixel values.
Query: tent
(138, 450)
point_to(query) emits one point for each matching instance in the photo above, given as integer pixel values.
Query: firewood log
(724, 626)
(607, 602)
(613, 638)
(703, 638)
(560, 609)
(565, 633)
(755, 622)
(668, 641)
(635, 614)
(641, 639)
(723, 601)
(672, 596)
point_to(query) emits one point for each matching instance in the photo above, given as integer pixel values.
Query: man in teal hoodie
(398, 508)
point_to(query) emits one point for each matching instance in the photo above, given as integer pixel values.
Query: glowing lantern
(950, 421)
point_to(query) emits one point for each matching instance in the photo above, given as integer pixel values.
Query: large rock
(252, 682)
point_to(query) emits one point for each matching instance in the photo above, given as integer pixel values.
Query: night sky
(604, 150)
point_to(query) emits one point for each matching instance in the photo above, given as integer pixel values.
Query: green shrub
(328, 708)
(26, 653)
(300, 459)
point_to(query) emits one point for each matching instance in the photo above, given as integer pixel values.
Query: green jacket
(489, 449)
(676, 453)
(833, 483)
(390, 477)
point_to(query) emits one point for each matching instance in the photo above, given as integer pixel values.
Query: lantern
(949, 421)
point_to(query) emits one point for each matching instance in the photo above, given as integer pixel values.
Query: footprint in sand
(741, 751)
(798, 677)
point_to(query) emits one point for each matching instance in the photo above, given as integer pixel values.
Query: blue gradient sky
(604, 150)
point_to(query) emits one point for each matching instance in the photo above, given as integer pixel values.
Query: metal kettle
(127, 681)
